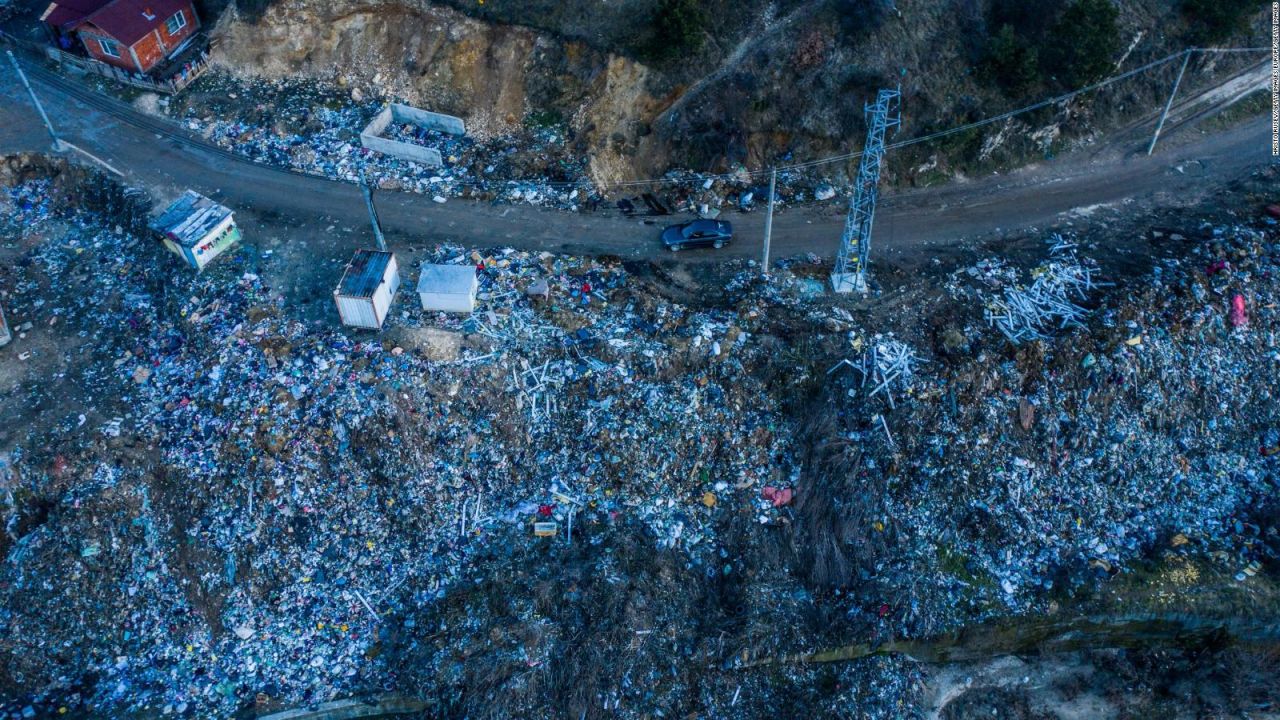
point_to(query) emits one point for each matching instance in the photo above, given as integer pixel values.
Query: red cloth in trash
(1239, 318)
(777, 496)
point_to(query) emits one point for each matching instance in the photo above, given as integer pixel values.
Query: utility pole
(57, 143)
(373, 214)
(768, 220)
(1151, 148)
(854, 256)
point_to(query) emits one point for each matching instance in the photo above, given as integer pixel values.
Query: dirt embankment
(494, 76)
(768, 82)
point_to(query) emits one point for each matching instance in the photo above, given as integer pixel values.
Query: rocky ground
(762, 83)
(758, 84)
(217, 504)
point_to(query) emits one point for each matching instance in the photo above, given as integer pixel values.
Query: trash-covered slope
(614, 486)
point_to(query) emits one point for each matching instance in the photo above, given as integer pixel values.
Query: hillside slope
(746, 83)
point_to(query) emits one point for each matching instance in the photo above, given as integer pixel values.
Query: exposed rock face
(774, 79)
(440, 59)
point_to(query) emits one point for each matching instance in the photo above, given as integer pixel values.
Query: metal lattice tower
(855, 245)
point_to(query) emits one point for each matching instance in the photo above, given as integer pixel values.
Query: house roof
(127, 21)
(190, 219)
(447, 279)
(365, 273)
(69, 12)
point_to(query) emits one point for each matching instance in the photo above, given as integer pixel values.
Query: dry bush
(811, 51)
(836, 503)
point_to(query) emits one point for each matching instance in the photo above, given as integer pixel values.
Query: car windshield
(699, 228)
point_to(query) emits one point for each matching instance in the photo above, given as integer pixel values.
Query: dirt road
(307, 218)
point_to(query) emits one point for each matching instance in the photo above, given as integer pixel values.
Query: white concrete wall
(427, 119)
(371, 136)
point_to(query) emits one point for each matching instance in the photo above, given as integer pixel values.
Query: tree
(1212, 21)
(1084, 42)
(1030, 19)
(859, 18)
(678, 26)
(1013, 64)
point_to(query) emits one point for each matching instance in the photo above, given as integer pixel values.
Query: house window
(109, 47)
(175, 23)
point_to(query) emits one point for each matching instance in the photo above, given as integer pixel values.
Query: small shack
(448, 288)
(368, 286)
(197, 229)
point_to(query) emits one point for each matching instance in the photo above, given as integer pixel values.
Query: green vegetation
(1084, 42)
(1011, 56)
(679, 27)
(1211, 21)
(1080, 42)
(858, 18)
(1030, 19)
(541, 119)
(982, 586)
(1255, 104)
(1011, 62)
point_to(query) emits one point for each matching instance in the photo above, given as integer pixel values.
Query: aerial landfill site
(338, 385)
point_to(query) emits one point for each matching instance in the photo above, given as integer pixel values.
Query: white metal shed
(448, 288)
(368, 286)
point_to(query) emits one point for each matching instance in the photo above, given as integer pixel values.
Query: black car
(698, 233)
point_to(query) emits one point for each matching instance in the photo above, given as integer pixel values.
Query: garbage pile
(587, 483)
(1050, 302)
(313, 128)
(301, 487)
(1025, 472)
(533, 166)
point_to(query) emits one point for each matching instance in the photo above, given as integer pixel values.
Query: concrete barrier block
(371, 136)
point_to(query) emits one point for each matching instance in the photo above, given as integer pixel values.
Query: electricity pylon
(855, 245)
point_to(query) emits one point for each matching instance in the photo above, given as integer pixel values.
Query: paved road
(310, 218)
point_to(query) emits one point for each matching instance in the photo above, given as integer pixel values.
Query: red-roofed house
(136, 35)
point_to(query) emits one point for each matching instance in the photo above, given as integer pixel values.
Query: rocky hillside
(647, 85)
